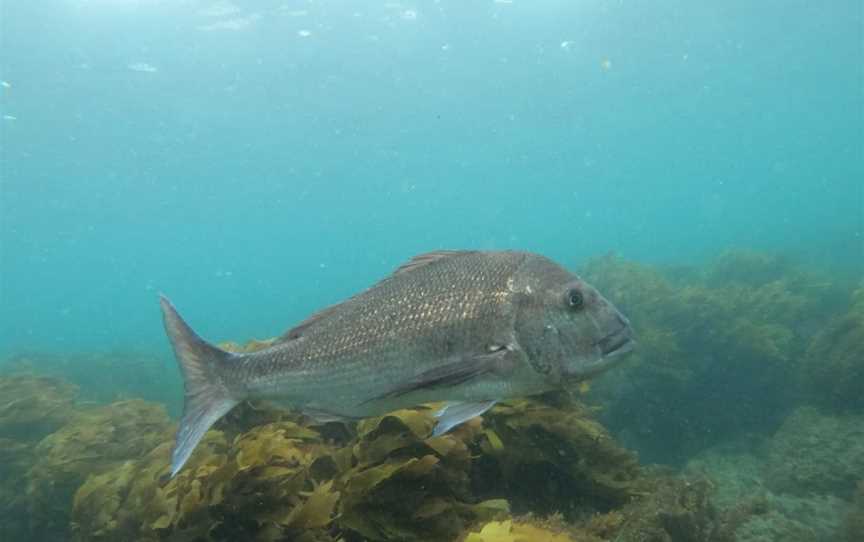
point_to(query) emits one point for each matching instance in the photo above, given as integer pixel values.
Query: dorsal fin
(414, 263)
(425, 259)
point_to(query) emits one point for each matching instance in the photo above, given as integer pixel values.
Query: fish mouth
(618, 342)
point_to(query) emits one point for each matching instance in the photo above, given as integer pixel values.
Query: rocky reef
(31, 408)
(814, 452)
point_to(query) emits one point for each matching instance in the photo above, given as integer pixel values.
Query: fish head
(566, 327)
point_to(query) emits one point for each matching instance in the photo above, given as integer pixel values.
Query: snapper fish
(468, 328)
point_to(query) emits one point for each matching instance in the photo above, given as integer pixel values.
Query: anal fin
(453, 414)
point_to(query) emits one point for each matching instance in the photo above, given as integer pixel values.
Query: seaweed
(564, 460)
(33, 406)
(833, 368)
(674, 509)
(391, 480)
(256, 488)
(106, 377)
(400, 484)
(528, 530)
(93, 441)
(728, 342)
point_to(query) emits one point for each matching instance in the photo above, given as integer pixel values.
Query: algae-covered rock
(816, 453)
(108, 376)
(854, 528)
(834, 364)
(15, 459)
(553, 458)
(33, 406)
(759, 514)
(719, 350)
(94, 441)
(675, 509)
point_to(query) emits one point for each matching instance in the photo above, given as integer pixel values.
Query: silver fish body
(466, 327)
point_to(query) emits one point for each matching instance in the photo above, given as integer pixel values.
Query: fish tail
(207, 397)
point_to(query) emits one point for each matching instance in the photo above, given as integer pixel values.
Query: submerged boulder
(855, 522)
(814, 452)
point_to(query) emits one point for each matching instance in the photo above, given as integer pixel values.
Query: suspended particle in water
(606, 64)
(142, 67)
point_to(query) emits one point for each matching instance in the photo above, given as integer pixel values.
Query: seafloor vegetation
(747, 386)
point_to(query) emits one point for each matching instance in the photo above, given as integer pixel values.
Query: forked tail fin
(207, 397)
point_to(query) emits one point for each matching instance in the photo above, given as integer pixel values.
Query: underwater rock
(670, 509)
(756, 513)
(833, 368)
(95, 440)
(34, 406)
(854, 527)
(816, 453)
(15, 459)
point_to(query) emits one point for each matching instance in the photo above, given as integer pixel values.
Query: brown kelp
(95, 440)
(31, 407)
(551, 456)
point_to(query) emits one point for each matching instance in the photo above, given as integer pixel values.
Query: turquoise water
(253, 172)
(255, 161)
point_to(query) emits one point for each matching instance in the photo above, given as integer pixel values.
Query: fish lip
(618, 342)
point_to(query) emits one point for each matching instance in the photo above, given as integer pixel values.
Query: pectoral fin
(455, 413)
(452, 373)
(322, 416)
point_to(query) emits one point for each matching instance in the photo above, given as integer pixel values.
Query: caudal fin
(207, 397)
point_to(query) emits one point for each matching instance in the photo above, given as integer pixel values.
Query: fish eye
(575, 299)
